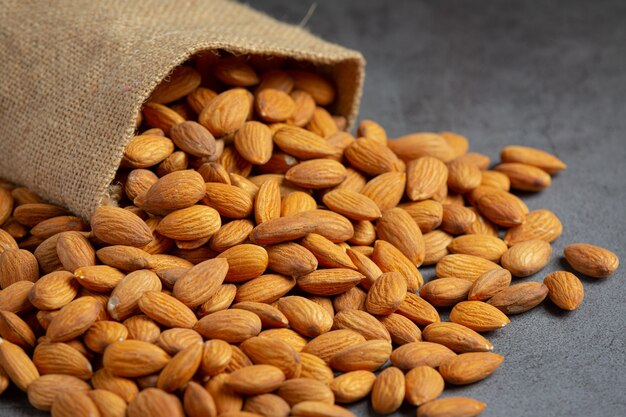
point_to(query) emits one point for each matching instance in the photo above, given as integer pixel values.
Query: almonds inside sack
(264, 260)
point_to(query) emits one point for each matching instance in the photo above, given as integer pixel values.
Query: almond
(16, 330)
(231, 234)
(564, 289)
(44, 390)
(352, 386)
(456, 219)
(322, 123)
(496, 179)
(282, 229)
(274, 105)
(256, 379)
(133, 358)
(318, 408)
(226, 400)
(425, 176)
(190, 223)
(591, 260)
(181, 368)
(59, 358)
(412, 355)
(328, 344)
(361, 322)
(483, 246)
(15, 297)
(245, 262)
(445, 291)
(74, 319)
(463, 176)
(108, 403)
(467, 368)
(526, 258)
(327, 253)
(388, 391)
(372, 157)
(519, 298)
(17, 265)
(227, 112)
(305, 316)
(117, 226)
(201, 282)
(418, 310)
(254, 143)
(297, 202)
(329, 281)
(416, 145)
(531, 156)
(305, 107)
(174, 191)
(502, 208)
(451, 407)
(233, 326)
(386, 190)
(155, 402)
(263, 350)
(540, 224)
(427, 214)
(291, 259)
(386, 294)
(102, 333)
(166, 310)
(525, 177)
(179, 83)
(17, 365)
(126, 258)
(194, 139)
(478, 316)
(144, 151)
(331, 225)
(198, 402)
(423, 384)
(390, 259)
(234, 71)
(398, 228)
(124, 300)
(457, 337)
(317, 173)
(436, 246)
(99, 278)
(143, 328)
(369, 356)
(352, 204)
(468, 267)
(265, 289)
(216, 356)
(301, 143)
(105, 380)
(372, 130)
(489, 284)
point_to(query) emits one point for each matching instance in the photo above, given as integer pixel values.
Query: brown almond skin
(298, 390)
(423, 384)
(519, 298)
(451, 407)
(17, 265)
(526, 258)
(411, 355)
(60, 358)
(397, 227)
(264, 350)
(155, 402)
(484, 246)
(74, 404)
(197, 401)
(133, 358)
(352, 386)
(388, 391)
(564, 289)
(369, 356)
(201, 282)
(531, 156)
(478, 316)
(459, 338)
(305, 316)
(502, 208)
(233, 326)
(167, 310)
(291, 259)
(256, 379)
(17, 365)
(117, 226)
(316, 368)
(467, 368)
(489, 284)
(463, 266)
(108, 403)
(361, 322)
(181, 368)
(445, 291)
(74, 319)
(326, 345)
(194, 139)
(591, 260)
(43, 390)
(525, 177)
(418, 310)
(386, 294)
(540, 224)
(174, 191)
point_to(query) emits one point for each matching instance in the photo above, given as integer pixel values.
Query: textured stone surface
(545, 74)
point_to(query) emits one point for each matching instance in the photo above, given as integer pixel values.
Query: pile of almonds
(265, 261)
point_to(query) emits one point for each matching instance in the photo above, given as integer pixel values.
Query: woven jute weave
(76, 72)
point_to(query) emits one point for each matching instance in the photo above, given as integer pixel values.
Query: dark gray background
(549, 74)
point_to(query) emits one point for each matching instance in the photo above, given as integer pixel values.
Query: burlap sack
(75, 73)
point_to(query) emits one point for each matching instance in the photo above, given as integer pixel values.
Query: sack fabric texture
(76, 72)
